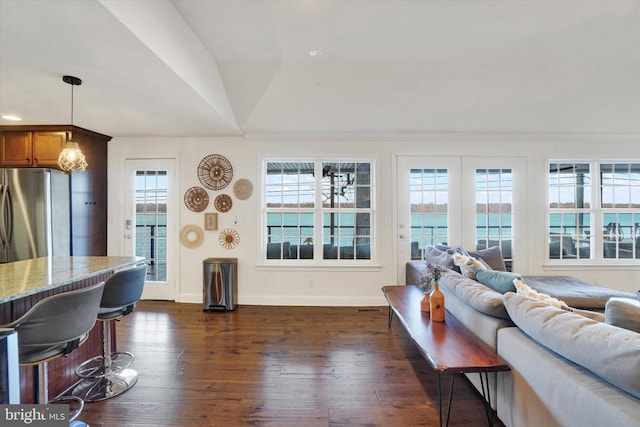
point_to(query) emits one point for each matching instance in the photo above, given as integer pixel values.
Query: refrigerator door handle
(3, 215)
(8, 232)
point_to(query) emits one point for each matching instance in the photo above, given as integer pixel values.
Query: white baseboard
(321, 301)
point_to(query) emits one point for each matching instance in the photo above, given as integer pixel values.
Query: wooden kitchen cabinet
(39, 146)
(31, 149)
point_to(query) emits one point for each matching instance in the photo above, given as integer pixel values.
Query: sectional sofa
(569, 366)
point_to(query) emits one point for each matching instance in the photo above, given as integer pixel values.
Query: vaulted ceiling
(239, 67)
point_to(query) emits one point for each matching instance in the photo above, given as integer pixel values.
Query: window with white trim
(494, 210)
(429, 198)
(596, 195)
(318, 211)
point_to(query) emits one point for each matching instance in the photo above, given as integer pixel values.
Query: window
(494, 201)
(428, 195)
(151, 222)
(318, 210)
(588, 196)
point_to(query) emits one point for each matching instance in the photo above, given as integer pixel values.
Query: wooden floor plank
(275, 366)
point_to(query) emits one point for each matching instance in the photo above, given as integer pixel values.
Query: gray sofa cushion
(492, 256)
(623, 312)
(609, 352)
(546, 390)
(574, 292)
(414, 271)
(474, 294)
(433, 255)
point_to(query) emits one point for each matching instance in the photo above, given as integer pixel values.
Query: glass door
(149, 223)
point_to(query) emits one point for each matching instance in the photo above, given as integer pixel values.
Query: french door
(150, 223)
(474, 202)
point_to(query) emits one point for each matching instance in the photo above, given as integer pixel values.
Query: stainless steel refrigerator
(35, 214)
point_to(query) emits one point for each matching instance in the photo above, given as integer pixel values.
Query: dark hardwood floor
(276, 366)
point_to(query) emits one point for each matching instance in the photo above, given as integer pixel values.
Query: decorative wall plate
(223, 203)
(191, 236)
(229, 238)
(242, 189)
(196, 199)
(215, 172)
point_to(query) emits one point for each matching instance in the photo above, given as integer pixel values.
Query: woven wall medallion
(229, 238)
(215, 172)
(223, 203)
(191, 236)
(242, 189)
(196, 199)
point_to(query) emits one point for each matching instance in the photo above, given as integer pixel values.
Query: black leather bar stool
(54, 327)
(108, 375)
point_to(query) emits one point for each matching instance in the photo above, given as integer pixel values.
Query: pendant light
(71, 158)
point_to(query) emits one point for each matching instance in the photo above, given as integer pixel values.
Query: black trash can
(220, 284)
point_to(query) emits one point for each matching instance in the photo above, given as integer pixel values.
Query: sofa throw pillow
(452, 249)
(501, 281)
(524, 289)
(492, 256)
(623, 313)
(433, 255)
(607, 351)
(467, 265)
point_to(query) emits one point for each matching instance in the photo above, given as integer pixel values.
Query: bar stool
(107, 375)
(54, 327)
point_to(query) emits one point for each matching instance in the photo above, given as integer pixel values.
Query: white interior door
(150, 219)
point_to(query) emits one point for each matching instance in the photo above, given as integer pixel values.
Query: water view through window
(151, 222)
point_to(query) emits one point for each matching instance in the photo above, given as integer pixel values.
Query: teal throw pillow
(500, 281)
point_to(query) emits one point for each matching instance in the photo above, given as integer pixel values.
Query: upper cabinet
(31, 149)
(40, 146)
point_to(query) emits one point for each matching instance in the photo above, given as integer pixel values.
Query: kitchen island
(24, 283)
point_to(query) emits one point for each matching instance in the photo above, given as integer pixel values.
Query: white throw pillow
(525, 289)
(467, 264)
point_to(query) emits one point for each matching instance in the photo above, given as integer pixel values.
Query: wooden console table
(449, 347)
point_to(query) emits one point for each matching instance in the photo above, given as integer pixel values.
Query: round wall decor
(215, 172)
(191, 236)
(223, 203)
(229, 238)
(196, 199)
(242, 189)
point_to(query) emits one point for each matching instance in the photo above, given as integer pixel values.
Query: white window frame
(318, 212)
(596, 212)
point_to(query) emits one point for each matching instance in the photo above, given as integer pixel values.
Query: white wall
(259, 284)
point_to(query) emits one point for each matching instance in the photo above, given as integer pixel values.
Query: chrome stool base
(99, 366)
(74, 413)
(106, 386)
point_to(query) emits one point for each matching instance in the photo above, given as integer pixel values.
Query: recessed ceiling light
(11, 117)
(315, 53)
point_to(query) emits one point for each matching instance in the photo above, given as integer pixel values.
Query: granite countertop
(24, 278)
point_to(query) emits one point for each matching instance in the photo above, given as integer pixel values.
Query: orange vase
(437, 304)
(425, 303)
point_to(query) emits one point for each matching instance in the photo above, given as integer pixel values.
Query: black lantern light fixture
(71, 158)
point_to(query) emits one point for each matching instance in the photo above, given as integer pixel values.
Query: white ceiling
(235, 67)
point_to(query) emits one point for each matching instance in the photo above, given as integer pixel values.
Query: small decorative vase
(437, 304)
(425, 303)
